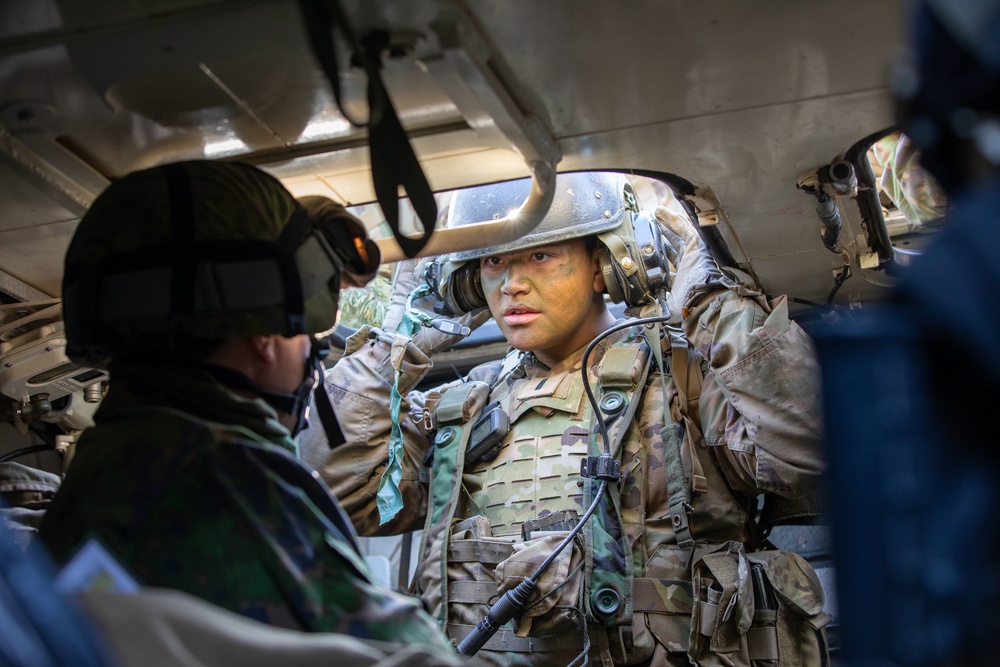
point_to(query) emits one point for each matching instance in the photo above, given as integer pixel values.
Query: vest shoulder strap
(454, 414)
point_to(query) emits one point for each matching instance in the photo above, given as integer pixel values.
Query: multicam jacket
(753, 428)
(192, 487)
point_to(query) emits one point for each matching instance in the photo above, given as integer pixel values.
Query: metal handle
(492, 232)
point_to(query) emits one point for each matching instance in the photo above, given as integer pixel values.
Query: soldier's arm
(360, 389)
(359, 386)
(760, 405)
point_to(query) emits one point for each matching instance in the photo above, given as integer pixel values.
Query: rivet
(627, 263)
(606, 601)
(597, 195)
(607, 214)
(445, 436)
(613, 403)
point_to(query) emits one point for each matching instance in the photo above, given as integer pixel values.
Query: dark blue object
(914, 502)
(40, 627)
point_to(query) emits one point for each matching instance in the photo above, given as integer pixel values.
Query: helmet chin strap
(295, 403)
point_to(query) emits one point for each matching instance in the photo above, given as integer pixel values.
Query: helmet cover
(201, 249)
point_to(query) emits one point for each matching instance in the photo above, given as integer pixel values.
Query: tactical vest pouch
(775, 621)
(554, 607)
(663, 597)
(800, 623)
(473, 554)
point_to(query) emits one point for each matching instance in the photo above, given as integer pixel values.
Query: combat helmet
(208, 250)
(601, 204)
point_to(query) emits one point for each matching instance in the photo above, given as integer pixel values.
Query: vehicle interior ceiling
(759, 118)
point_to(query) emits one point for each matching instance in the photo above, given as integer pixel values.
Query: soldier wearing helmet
(619, 530)
(199, 286)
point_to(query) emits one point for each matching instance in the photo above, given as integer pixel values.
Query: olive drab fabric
(751, 427)
(194, 488)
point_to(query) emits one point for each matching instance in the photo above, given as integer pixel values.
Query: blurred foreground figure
(910, 388)
(200, 286)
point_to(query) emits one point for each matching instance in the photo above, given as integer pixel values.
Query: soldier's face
(289, 370)
(547, 300)
(290, 367)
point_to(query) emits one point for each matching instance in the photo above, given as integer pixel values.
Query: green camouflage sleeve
(760, 398)
(202, 508)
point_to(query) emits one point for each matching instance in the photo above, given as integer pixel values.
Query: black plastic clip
(603, 467)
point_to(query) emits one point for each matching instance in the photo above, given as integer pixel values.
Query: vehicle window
(913, 204)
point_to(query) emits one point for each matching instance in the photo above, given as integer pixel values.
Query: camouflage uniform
(194, 488)
(757, 413)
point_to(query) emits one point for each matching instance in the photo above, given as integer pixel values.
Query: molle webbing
(571, 643)
(547, 443)
(688, 381)
(456, 407)
(662, 596)
(477, 551)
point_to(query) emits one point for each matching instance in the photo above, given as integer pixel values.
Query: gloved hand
(436, 332)
(697, 272)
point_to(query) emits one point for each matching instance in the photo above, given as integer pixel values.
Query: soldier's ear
(599, 284)
(264, 347)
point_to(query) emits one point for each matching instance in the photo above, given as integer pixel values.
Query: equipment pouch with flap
(762, 609)
(554, 607)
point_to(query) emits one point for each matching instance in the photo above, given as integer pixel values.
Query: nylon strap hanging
(687, 380)
(327, 417)
(393, 161)
(678, 493)
(389, 499)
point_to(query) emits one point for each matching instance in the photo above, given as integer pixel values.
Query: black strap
(393, 161)
(182, 238)
(294, 234)
(331, 425)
